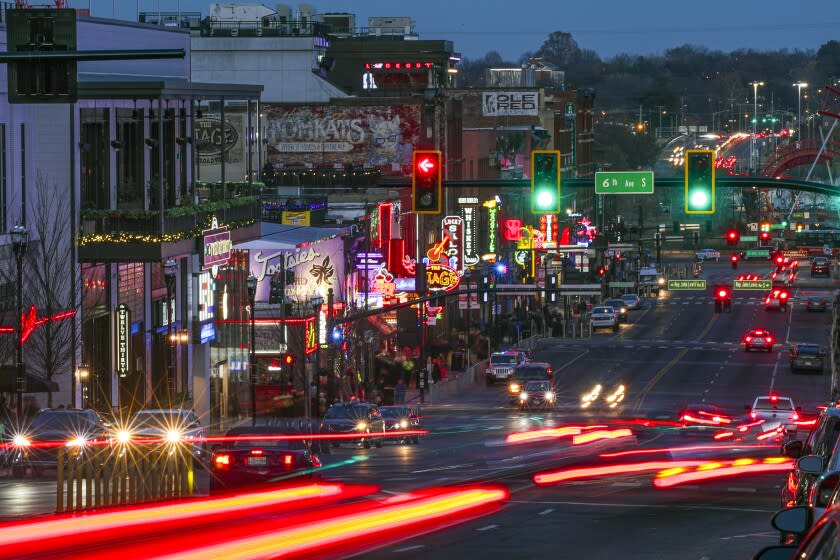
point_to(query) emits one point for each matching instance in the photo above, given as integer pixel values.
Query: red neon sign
(512, 229)
(29, 321)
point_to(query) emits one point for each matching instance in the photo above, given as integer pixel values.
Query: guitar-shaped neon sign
(436, 251)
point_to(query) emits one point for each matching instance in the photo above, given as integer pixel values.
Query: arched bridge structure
(798, 153)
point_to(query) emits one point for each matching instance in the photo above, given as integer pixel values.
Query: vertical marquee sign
(469, 214)
(122, 339)
(453, 228)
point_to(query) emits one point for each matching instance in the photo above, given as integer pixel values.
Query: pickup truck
(777, 410)
(708, 254)
(603, 316)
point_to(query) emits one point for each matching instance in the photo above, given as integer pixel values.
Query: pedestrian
(400, 391)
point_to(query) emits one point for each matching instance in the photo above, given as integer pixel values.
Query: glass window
(130, 150)
(767, 404)
(822, 543)
(94, 158)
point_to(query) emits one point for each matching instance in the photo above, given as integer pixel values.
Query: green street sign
(764, 253)
(622, 284)
(776, 226)
(624, 182)
(747, 238)
(761, 285)
(686, 284)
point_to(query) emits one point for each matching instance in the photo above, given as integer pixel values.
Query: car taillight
(822, 491)
(748, 339)
(769, 340)
(256, 452)
(315, 460)
(783, 295)
(795, 417)
(288, 460)
(221, 461)
(753, 415)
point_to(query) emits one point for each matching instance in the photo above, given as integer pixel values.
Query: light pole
(317, 301)
(799, 86)
(20, 240)
(755, 86)
(170, 269)
(252, 366)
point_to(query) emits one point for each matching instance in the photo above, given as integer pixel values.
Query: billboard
(373, 136)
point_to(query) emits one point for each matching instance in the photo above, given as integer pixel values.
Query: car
(821, 541)
(537, 394)
(400, 418)
(632, 301)
(254, 455)
(777, 299)
(820, 266)
(821, 441)
(173, 425)
(806, 356)
(354, 419)
(604, 317)
(502, 365)
(703, 417)
(620, 308)
(598, 398)
(816, 303)
(776, 411)
(532, 371)
(759, 339)
(708, 254)
(37, 445)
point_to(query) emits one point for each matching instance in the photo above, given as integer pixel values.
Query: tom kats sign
(441, 278)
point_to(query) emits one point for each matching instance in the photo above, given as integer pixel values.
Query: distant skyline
(608, 27)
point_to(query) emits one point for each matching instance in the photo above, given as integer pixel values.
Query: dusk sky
(607, 26)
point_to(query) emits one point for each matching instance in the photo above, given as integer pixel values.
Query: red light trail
(675, 476)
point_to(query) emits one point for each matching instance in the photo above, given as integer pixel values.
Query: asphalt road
(674, 351)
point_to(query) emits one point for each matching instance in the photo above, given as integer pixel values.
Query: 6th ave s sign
(624, 182)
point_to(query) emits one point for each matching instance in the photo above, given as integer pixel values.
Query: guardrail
(122, 474)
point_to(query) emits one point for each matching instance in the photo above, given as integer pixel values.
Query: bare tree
(48, 271)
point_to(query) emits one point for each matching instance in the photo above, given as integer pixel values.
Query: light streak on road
(722, 469)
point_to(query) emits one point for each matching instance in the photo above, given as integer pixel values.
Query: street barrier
(122, 474)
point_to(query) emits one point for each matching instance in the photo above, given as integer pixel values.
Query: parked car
(816, 303)
(252, 458)
(359, 419)
(604, 317)
(401, 418)
(808, 357)
(821, 441)
(73, 429)
(821, 541)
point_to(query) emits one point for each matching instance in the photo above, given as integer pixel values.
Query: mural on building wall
(211, 141)
(379, 136)
(318, 267)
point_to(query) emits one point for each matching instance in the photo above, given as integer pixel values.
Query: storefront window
(130, 154)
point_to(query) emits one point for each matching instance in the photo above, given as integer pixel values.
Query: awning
(34, 383)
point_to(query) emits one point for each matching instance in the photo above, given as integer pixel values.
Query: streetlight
(755, 86)
(317, 301)
(20, 240)
(83, 376)
(252, 296)
(799, 86)
(170, 269)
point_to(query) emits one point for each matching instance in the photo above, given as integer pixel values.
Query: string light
(132, 237)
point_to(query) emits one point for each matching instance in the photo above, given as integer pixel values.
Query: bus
(815, 241)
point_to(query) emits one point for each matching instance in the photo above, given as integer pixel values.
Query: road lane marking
(546, 511)
(409, 548)
(659, 375)
(751, 535)
(741, 489)
(487, 527)
(626, 484)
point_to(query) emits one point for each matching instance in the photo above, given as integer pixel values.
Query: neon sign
(468, 205)
(441, 278)
(453, 228)
(492, 215)
(512, 229)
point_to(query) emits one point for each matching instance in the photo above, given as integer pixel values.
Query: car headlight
(624, 310)
(21, 441)
(173, 436)
(514, 388)
(123, 436)
(361, 426)
(77, 442)
(549, 395)
(404, 424)
(523, 396)
(661, 281)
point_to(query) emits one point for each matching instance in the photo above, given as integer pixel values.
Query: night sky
(608, 27)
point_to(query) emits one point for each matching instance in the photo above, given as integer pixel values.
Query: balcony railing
(182, 222)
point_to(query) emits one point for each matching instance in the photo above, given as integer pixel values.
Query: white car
(632, 301)
(708, 254)
(776, 411)
(603, 316)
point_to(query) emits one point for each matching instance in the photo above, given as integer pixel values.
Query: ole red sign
(441, 278)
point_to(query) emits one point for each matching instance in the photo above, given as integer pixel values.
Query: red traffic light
(722, 293)
(780, 259)
(732, 234)
(734, 258)
(602, 271)
(426, 165)
(765, 236)
(288, 360)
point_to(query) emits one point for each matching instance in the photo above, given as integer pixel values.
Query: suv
(502, 365)
(805, 356)
(820, 266)
(604, 316)
(777, 299)
(620, 308)
(708, 254)
(821, 442)
(532, 371)
(358, 418)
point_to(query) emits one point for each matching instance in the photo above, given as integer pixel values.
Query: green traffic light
(545, 200)
(545, 182)
(700, 182)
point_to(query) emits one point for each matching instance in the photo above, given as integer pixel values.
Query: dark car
(620, 307)
(358, 419)
(537, 394)
(816, 303)
(72, 429)
(173, 425)
(531, 371)
(759, 339)
(808, 357)
(254, 457)
(820, 266)
(401, 418)
(821, 441)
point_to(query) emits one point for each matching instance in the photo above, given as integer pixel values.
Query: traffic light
(733, 236)
(723, 299)
(552, 288)
(602, 271)
(764, 236)
(288, 360)
(734, 260)
(700, 182)
(545, 182)
(427, 182)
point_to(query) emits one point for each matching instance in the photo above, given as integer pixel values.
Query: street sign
(569, 112)
(762, 253)
(624, 182)
(747, 238)
(760, 285)
(622, 284)
(686, 284)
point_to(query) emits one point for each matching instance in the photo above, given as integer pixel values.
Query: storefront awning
(34, 384)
